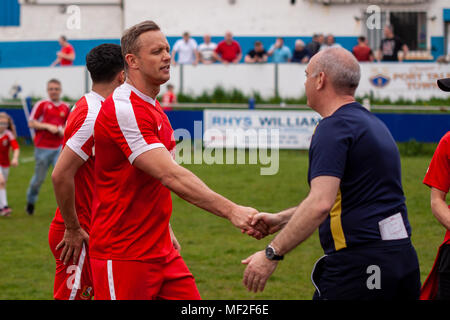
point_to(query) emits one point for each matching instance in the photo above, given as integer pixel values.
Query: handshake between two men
(256, 224)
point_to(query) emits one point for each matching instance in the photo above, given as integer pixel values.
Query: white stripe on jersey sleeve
(10, 135)
(34, 109)
(85, 132)
(128, 125)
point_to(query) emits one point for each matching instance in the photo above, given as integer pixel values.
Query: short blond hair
(130, 38)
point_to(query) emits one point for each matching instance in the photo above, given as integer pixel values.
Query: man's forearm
(64, 187)
(37, 125)
(190, 188)
(441, 211)
(66, 56)
(286, 215)
(217, 57)
(304, 220)
(57, 60)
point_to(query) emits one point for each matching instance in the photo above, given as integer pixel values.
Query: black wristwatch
(271, 254)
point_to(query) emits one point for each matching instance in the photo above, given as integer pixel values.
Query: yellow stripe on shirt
(336, 224)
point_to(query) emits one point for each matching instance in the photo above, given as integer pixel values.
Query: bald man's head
(340, 67)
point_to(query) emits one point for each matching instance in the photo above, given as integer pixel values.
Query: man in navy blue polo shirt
(356, 198)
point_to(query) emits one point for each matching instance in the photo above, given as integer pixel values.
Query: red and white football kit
(74, 282)
(48, 112)
(437, 176)
(132, 255)
(7, 142)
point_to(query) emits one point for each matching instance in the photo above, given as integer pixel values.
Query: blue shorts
(381, 270)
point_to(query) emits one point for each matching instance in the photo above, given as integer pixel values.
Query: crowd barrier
(404, 127)
(408, 81)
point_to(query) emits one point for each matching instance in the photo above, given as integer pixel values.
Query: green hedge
(221, 95)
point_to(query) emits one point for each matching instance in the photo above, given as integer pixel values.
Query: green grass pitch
(212, 247)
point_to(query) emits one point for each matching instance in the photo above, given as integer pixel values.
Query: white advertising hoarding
(259, 128)
(408, 81)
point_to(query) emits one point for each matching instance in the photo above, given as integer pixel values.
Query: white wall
(264, 17)
(436, 27)
(244, 18)
(48, 22)
(46, 19)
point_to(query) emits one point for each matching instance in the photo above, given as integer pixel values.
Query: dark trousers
(444, 274)
(369, 272)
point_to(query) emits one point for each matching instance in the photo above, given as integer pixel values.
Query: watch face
(270, 254)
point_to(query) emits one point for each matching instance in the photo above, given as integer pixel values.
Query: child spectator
(7, 142)
(168, 98)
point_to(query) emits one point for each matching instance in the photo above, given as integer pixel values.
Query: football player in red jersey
(132, 254)
(73, 178)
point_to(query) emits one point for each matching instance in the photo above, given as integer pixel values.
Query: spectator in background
(186, 49)
(48, 118)
(314, 46)
(279, 52)
(228, 50)
(66, 55)
(169, 98)
(257, 55)
(301, 53)
(206, 50)
(329, 42)
(7, 142)
(390, 46)
(362, 51)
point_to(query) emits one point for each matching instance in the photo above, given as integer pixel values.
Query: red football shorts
(72, 282)
(136, 280)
